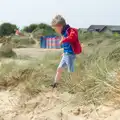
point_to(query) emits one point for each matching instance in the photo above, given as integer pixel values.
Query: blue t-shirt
(66, 45)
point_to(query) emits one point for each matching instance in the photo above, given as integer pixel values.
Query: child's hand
(82, 45)
(62, 38)
(60, 42)
(62, 55)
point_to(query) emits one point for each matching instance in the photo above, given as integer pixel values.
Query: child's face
(58, 28)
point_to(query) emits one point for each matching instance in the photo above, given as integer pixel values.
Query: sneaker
(54, 85)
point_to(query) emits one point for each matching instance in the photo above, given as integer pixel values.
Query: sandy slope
(46, 106)
(49, 105)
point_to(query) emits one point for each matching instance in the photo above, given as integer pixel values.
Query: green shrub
(41, 29)
(7, 29)
(30, 28)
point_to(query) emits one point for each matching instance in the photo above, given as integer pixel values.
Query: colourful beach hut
(50, 42)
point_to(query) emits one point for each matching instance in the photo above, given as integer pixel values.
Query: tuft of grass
(115, 54)
(6, 50)
(99, 41)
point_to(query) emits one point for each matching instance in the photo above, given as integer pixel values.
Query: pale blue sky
(78, 13)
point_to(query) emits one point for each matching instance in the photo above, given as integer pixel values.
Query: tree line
(7, 29)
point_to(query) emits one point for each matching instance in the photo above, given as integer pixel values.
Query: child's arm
(71, 38)
(61, 41)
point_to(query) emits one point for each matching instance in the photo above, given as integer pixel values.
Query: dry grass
(22, 41)
(18, 41)
(31, 77)
(6, 50)
(92, 81)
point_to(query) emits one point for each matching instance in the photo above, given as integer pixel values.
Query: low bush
(7, 29)
(6, 50)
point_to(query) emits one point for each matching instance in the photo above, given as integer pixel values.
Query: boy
(69, 43)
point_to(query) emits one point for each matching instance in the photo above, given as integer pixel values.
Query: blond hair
(58, 19)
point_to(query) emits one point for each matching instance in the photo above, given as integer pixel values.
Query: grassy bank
(96, 79)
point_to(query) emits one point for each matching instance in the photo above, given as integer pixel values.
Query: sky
(78, 13)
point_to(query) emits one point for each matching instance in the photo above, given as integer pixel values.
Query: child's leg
(58, 75)
(60, 68)
(70, 63)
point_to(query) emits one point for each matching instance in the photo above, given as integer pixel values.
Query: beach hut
(50, 42)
